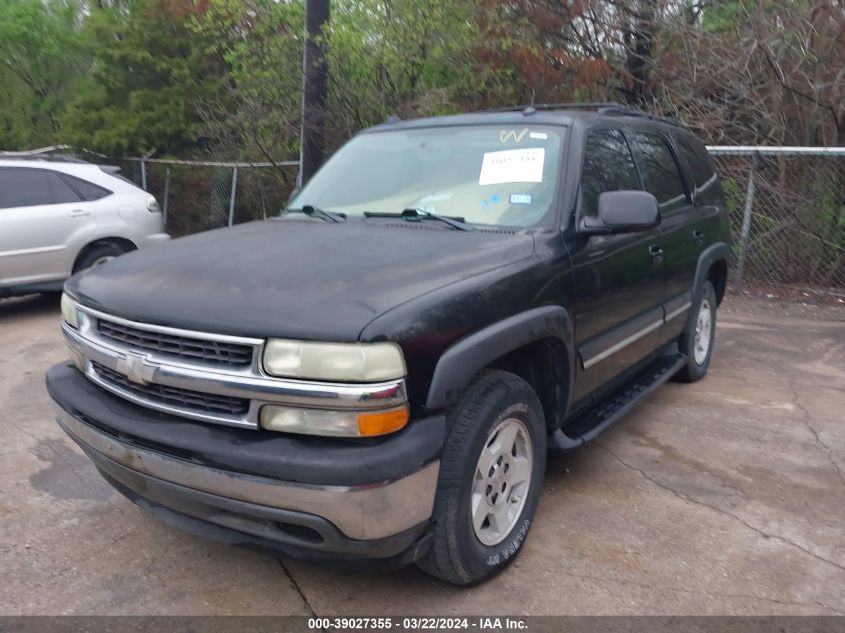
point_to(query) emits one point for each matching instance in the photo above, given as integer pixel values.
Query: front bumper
(335, 510)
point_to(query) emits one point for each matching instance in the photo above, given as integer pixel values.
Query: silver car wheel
(101, 260)
(703, 333)
(502, 479)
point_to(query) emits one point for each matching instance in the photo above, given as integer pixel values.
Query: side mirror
(623, 212)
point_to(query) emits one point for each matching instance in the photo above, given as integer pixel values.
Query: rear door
(618, 279)
(662, 177)
(38, 211)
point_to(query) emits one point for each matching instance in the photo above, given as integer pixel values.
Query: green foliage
(187, 77)
(406, 58)
(722, 17)
(223, 77)
(144, 81)
(40, 56)
(255, 49)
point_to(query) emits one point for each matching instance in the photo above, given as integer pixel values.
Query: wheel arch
(713, 266)
(718, 276)
(531, 344)
(121, 242)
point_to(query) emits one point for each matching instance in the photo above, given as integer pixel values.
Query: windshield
(483, 175)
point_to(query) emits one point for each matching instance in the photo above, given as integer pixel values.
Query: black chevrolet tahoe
(379, 372)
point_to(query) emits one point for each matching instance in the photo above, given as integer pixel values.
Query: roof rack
(624, 111)
(594, 105)
(52, 152)
(601, 107)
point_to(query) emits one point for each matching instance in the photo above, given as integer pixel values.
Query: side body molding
(465, 358)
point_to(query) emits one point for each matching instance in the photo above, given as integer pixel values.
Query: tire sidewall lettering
(509, 549)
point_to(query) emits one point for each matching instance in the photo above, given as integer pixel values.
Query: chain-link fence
(787, 212)
(201, 195)
(787, 206)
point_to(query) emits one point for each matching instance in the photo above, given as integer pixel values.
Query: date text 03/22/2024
(481, 623)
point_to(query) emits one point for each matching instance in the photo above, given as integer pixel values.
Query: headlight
(70, 317)
(335, 423)
(348, 362)
(69, 311)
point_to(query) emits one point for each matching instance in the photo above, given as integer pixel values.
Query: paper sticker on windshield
(520, 198)
(512, 165)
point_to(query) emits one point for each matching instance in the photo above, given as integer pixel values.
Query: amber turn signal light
(382, 422)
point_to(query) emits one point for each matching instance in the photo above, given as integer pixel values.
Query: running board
(596, 419)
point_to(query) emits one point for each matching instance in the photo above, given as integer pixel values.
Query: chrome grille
(196, 384)
(193, 349)
(174, 396)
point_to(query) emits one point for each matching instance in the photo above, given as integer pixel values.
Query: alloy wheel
(502, 479)
(703, 332)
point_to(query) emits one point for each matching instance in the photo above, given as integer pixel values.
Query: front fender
(460, 362)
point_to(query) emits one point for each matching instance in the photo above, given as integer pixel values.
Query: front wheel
(491, 476)
(699, 338)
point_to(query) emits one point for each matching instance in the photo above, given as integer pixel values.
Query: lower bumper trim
(362, 513)
(294, 534)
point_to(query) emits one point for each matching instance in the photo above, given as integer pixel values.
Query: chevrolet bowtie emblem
(136, 368)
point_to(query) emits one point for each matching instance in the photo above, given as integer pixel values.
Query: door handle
(656, 253)
(78, 213)
(698, 236)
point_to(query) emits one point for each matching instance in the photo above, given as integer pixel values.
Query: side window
(20, 187)
(87, 190)
(697, 158)
(661, 175)
(608, 166)
(24, 187)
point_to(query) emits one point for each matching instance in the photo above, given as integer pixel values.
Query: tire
(495, 406)
(97, 255)
(702, 314)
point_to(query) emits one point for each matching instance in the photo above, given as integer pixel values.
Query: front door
(619, 284)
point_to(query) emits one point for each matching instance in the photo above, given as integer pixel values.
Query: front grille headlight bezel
(301, 387)
(342, 362)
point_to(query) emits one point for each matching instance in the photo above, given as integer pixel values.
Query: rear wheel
(491, 476)
(97, 255)
(699, 338)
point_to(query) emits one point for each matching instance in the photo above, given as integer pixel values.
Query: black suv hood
(300, 279)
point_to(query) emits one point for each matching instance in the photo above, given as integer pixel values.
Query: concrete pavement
(722, 497)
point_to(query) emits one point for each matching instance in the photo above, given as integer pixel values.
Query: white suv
(59, 217)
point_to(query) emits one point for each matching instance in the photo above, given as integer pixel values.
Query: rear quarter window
(89, 191)
(698, 159)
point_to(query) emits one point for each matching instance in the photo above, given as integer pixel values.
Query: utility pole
(315, 76)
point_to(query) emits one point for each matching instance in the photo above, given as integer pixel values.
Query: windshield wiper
(316, 212)
(417, 215)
